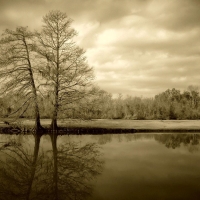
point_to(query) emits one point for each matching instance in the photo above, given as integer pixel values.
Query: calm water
(101, 167)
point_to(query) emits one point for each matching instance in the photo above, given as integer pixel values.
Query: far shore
(138, 125)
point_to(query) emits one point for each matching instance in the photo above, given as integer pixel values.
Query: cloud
(176, 15)
(138, 47)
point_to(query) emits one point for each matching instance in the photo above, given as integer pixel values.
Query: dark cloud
(109, 10)
(21, 13)
(100, 10)
(178, 15)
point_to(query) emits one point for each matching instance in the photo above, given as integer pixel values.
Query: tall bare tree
(17, 69)
(66, 72)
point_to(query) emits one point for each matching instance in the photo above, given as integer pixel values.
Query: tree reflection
(175, 140)
(74, 168)
(19, 169)
(65, 172)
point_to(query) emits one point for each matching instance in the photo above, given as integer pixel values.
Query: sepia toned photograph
(99, 99)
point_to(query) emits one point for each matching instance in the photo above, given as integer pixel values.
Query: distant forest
(171, 104)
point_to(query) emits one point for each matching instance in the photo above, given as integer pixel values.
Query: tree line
(169, 105)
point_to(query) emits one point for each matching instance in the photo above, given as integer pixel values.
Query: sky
(136, 47)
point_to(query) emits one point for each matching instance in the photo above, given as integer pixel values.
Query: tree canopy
(46, 62)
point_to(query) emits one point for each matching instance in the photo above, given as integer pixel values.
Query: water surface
(100, 167)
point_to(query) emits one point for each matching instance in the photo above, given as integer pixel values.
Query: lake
(100, 167)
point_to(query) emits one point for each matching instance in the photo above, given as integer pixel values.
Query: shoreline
(106, 126)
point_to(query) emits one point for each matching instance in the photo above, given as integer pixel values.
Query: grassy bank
(136, 124)
(119, 124)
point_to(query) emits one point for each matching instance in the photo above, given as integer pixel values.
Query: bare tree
(17, 70)
(66, 72)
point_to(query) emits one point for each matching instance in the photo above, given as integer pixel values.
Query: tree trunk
(54, 125)
(34, 164)
(55, 165)
(38, 126)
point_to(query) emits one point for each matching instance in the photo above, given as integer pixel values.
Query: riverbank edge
(105, 126)
(91, 131)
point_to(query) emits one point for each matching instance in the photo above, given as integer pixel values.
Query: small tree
(17, 70)
(66, 71)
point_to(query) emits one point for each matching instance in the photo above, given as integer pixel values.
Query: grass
(121, 124)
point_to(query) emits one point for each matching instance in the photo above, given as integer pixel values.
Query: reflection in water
(175, 140)
(74, 167)
(18, 168)
(149, 166)
(169, 140)
(32, 173)
(137, 166)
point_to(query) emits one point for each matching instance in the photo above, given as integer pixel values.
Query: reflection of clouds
(142, 164)
(133, 163)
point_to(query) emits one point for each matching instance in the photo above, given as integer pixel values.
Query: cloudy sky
(137, 47)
